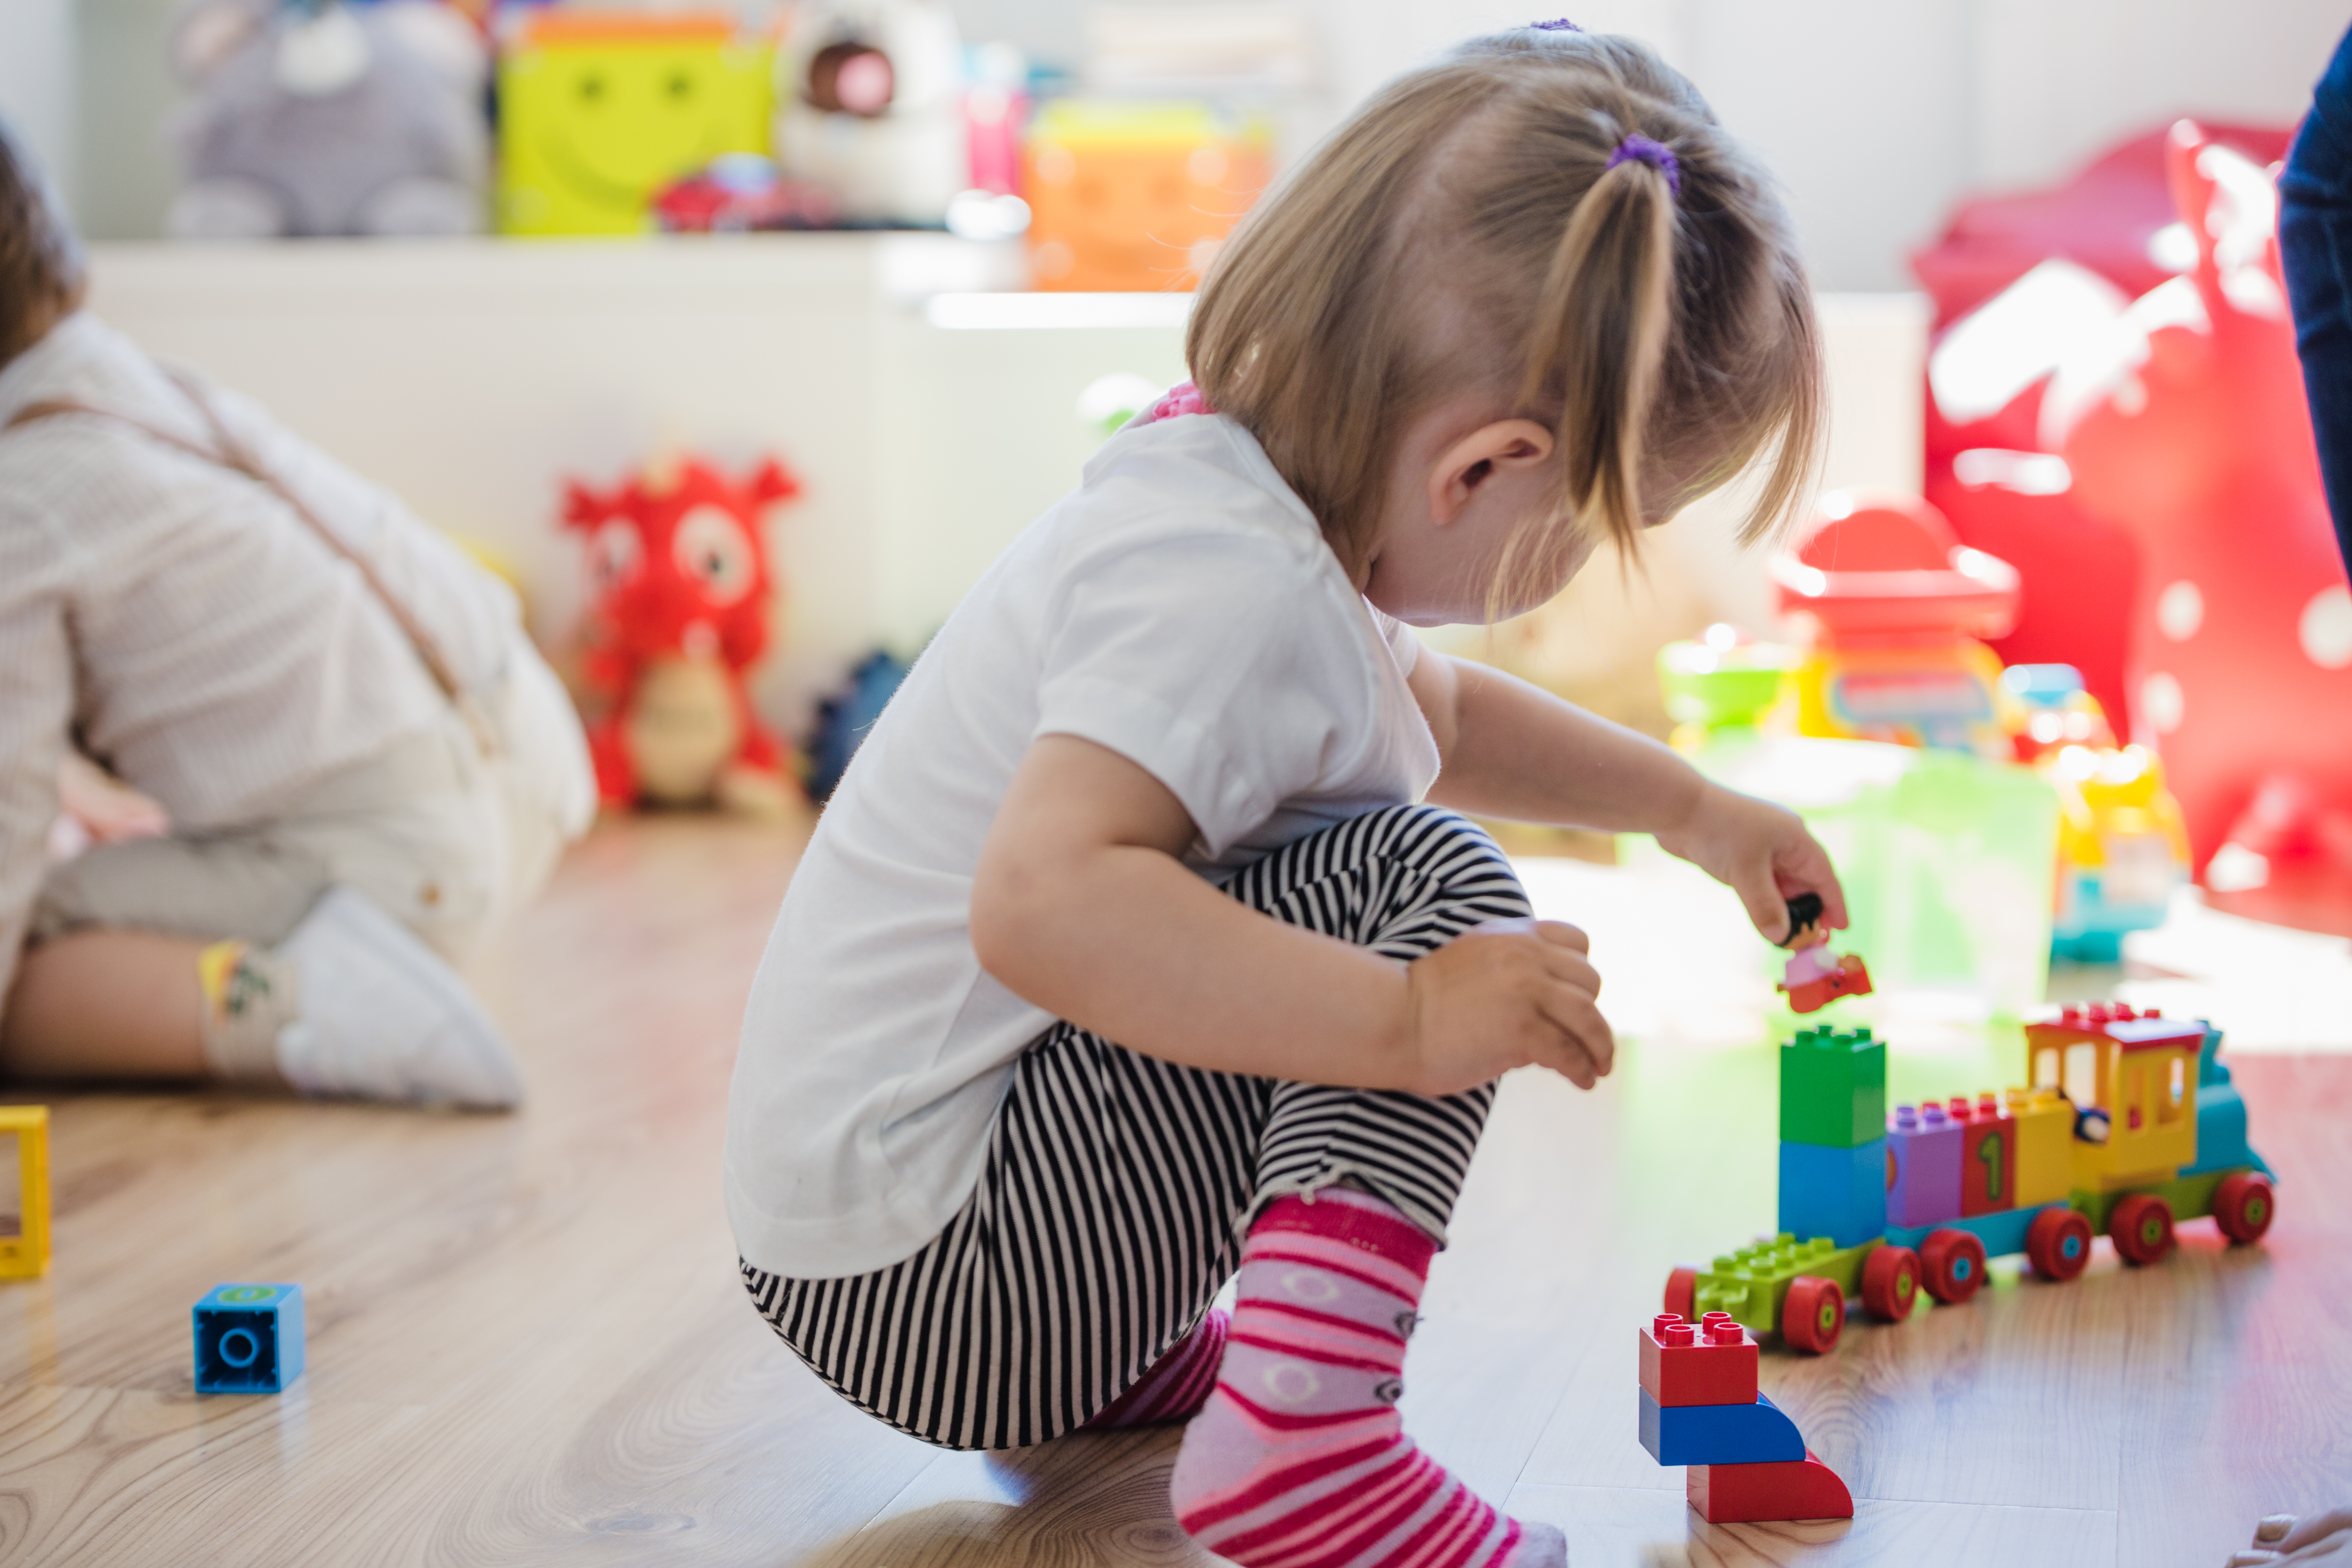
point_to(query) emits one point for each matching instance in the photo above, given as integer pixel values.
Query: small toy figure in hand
(681, 584)
(1815, 976)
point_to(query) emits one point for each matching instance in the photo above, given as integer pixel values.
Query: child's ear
(1470, 463)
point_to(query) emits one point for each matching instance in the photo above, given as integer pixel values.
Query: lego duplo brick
(1837, 1193)
(2044, 1125)
(25, 1138)
(1751, 1282)
(1988, 1156)
(1833, 1088)
(1754, 1494)
(1711, 1362)
(249, 1339)
(1923, 1165)
(1718, 1434)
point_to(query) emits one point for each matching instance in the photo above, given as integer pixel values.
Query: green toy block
(1833, 1088)
(1751, 1283)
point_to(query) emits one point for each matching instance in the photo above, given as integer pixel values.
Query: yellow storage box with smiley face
(598, 110)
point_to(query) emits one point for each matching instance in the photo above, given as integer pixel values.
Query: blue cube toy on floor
(249, 1339)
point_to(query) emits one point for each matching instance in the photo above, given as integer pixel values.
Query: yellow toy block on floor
(2046, 1145)
(25, 1253)
(599, 111)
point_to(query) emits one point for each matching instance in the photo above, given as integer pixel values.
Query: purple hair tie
(1562, 25)
(1638, 148)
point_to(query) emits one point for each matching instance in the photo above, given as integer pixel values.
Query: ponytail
(1603, 318)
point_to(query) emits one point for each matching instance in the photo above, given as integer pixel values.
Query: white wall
(474, 377)
(1878, 115)
(37, 82)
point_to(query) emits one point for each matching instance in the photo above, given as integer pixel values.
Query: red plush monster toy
(679, 576)
(2191, 432)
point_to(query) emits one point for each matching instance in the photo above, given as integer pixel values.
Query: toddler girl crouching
(1140, 947)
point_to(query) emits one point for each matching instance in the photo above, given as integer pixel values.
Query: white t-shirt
(1181, 608)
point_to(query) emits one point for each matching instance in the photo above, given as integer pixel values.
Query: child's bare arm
(1081, 905)
(1512, 750)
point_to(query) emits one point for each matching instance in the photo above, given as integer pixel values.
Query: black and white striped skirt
(1117, 1187)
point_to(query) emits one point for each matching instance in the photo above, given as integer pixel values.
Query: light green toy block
(599, 111)
(1751, 1283)
(1833, 1088)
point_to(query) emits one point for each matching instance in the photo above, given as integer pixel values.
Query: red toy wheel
(1890, 1283)
(1813, 1315)
(1953, 1262)
(2243, 1204)
(2059, 1244)
(2141, 1228)
(1682, 1293)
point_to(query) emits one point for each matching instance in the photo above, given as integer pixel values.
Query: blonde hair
(1467, 230)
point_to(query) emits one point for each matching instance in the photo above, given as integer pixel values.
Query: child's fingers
(1806, 869)
(1571, 1011)
(2311, 1532)
(1572, 969)
(1559, 934)
(1759, 893)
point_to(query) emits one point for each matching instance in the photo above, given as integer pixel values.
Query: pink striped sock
(1176, 1385)
(1299, 1459)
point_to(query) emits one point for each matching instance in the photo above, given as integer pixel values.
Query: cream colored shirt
(182, 624)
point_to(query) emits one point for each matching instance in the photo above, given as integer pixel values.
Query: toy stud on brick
(1711, 1362)
(249, 1339)
(1815, 976)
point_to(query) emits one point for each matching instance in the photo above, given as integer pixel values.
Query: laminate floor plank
(529, 1344)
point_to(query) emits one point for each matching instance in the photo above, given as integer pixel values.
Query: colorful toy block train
(2131, 1127)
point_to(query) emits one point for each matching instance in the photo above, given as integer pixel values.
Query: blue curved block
(1754, 1434)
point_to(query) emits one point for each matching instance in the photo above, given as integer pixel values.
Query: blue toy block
(249, 1339)
(1837, 1193)
(1718, 1434)
(1923, 1166)
(2003, 1231)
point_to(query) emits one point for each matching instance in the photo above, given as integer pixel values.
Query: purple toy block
(1923, 1166)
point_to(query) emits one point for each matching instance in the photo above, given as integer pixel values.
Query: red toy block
(1752, 1494)
(1711, 1362)
(1987, 1154)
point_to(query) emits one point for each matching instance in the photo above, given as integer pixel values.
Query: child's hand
(1501, 995)
(1762, 852)
(2280, 1539)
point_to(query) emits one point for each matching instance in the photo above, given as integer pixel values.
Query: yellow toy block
(599, 111)
(25, 1255)
(2046, 1145)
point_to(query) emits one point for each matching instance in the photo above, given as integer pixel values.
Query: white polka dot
(2326, 628)
(2179, 611)
(1309, 1285)
(2160, 702)
(2131, 397)
(1291, 1383)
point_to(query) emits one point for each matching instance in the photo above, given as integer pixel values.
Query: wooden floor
(528, 1343)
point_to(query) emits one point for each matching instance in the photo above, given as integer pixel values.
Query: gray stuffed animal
(319, 116)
